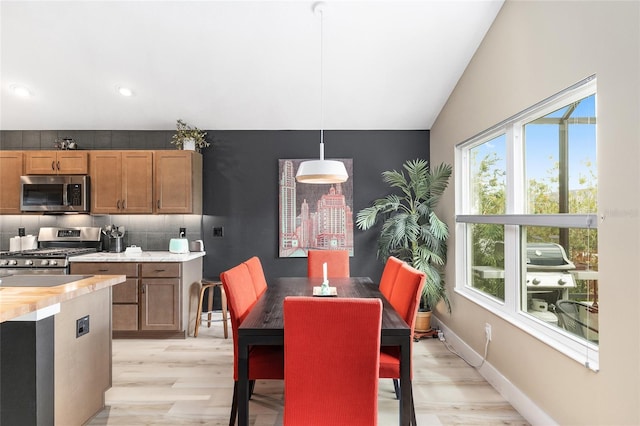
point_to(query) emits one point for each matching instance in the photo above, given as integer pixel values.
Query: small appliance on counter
(113, 238)
(179, 245)
(196, 245)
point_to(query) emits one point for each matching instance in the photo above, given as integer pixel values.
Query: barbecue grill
(548, 267)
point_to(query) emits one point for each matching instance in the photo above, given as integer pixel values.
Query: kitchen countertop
(18, 301)
(145, 256)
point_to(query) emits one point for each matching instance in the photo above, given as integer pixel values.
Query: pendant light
(321, 171)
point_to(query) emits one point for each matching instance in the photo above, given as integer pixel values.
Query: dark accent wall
(240, 191)
(240, 188)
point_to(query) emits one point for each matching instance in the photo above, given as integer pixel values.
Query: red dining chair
(257, 275)
(330, 377)
(337, 263)
(265, 362)
(405, 299)
(389, 274)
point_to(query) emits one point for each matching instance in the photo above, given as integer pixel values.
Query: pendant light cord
(321, 11)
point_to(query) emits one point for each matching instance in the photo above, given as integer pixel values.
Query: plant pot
(423, 321)
(189, 145)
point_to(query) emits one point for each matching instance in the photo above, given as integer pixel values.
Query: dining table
(264, 325)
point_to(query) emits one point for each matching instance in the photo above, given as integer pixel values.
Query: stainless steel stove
(55, 247)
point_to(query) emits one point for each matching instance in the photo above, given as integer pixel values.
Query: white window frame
(510, 310)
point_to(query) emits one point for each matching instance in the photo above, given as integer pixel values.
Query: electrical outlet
(487, 331)
(82, 326)
(183, 232)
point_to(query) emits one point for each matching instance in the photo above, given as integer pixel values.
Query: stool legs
(223, 299)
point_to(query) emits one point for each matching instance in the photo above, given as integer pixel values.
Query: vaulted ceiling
(234, 65)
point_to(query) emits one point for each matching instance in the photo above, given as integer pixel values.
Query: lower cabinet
(160, 290)
(148, 303)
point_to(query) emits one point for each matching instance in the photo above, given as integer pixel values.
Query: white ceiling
(234, 65)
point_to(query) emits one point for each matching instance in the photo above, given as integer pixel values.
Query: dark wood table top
(267, 319)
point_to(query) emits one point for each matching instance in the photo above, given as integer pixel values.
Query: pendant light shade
(321, 171)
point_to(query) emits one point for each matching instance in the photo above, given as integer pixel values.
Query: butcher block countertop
(22, 300)
(145, 256)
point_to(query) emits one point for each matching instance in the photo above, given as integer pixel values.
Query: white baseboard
(521, 402)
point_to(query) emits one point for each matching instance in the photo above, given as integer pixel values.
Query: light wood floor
(190, 382)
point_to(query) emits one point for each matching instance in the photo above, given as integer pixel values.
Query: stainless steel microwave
(54, 194)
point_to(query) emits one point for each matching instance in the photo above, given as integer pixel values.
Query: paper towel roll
(15, 244)
(28, 242)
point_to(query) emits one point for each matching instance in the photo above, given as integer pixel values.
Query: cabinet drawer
(105, 268)
(126, 292)
(160, 269)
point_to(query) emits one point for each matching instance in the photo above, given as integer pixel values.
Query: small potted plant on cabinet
(411, 230)
(189, 137)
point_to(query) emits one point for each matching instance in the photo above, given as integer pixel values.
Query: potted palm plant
(410, 228)
(189, 137)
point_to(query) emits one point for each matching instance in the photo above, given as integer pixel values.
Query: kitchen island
(159, 298)
(55, 348)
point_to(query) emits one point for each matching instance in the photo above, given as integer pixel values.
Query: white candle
(324, 272)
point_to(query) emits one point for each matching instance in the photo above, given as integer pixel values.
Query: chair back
(332, 353)
(241, 297)
(389, 274)
(257, 275)
(407, 290)
(337, 263)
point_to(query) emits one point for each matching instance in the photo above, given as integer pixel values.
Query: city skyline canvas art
(311, 216)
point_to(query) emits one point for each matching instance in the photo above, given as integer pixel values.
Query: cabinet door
(124, 317)
(71, 162)
(137, 182)
(40, 163)
(160, 304)
(10, 171)
(173, 182)
(56, 162)
(106, 181)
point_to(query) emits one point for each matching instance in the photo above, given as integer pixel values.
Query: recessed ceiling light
(125, 91)
(21, 91)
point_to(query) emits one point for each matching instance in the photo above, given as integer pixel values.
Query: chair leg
(252, 385)
(396, 388)
(234, 405)
(198, 314)
(413, 410)
(210, 306)
(223, 302)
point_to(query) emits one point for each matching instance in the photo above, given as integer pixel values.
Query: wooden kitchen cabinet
(149, 304)
(160, 296)
(121, 182)
(11, 164)
(56, 162)
(125, 316)
(177, 182)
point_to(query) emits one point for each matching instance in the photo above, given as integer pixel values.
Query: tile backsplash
(151, 232)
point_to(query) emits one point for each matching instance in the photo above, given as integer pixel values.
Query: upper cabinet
(177, 182)
(121, 182)
(10, 171)
(56, 162)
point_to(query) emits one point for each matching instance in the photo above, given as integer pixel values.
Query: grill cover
(541, 256)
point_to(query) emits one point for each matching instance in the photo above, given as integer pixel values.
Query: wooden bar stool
(211, 285)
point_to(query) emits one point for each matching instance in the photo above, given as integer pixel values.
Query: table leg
(243, 382)
(405, 383)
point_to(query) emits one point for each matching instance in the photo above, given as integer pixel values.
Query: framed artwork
(311, 216)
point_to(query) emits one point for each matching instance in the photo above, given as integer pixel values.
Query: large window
(526, 221)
